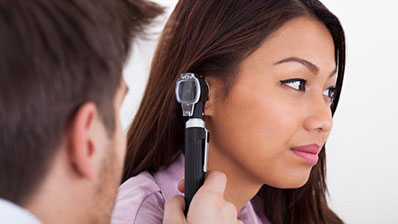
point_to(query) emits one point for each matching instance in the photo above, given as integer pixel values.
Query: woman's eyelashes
(296, 84)
(330, 92)
(300, 85)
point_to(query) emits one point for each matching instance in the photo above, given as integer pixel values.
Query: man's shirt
(12, 213)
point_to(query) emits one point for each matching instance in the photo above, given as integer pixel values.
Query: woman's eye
(297, 84)
(330, 92)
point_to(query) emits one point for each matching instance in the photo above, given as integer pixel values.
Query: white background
(362, 151)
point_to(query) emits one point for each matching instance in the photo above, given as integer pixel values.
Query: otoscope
(192, 92)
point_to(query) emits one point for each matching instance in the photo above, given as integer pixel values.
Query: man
(61, 87)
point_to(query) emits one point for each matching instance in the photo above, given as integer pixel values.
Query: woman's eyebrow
(311, 66)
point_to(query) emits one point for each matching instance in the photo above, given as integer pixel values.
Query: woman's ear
(214, 86)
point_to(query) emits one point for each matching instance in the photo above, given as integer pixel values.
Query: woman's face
(279, 101)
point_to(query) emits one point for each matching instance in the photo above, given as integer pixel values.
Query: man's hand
(207, 206)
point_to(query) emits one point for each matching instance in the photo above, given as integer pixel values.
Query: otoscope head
(192, 92)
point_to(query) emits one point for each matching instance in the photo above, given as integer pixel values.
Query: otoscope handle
(196, 140)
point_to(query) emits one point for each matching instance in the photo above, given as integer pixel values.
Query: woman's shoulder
(139, 200)
(138, 186)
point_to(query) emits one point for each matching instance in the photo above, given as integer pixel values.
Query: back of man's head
(56, 55)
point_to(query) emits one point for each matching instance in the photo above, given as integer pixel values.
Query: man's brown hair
(54, 57)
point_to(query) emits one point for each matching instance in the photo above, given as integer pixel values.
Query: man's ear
(81, 145)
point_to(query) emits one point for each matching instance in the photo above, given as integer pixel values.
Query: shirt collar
(12, 213)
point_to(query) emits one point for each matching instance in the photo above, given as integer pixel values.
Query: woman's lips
(308, 153)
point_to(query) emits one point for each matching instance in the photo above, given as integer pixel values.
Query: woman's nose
(319, 115)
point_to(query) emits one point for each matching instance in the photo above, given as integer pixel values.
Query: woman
(275, 70)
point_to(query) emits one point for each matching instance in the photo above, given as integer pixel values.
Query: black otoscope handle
(195, 143)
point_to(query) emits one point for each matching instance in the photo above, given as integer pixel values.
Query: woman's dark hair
(212, 38)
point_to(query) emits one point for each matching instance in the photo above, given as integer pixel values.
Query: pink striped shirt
(141, 198)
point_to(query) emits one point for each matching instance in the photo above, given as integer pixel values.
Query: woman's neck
(241, 186)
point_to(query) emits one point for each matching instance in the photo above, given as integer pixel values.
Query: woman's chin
(291, 182)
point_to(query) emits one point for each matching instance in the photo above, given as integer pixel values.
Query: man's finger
(174, 210)
(181, 186)
(215, 182)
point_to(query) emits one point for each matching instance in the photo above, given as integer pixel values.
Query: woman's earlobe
(215, 86)
(209, 101)
(208, 108)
